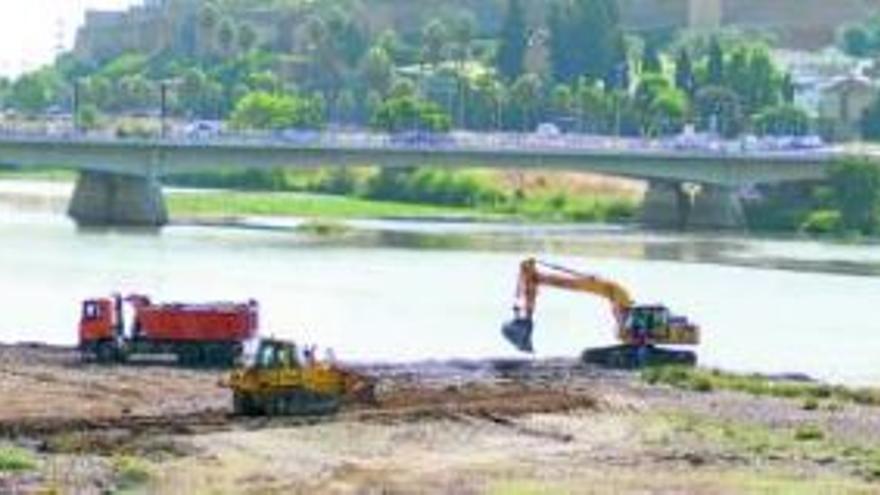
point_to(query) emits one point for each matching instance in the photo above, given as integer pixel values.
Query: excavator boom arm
(531, 278)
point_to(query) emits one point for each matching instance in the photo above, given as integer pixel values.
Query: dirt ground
(450, 427)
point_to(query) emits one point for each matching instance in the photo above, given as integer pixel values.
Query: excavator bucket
(519, 333)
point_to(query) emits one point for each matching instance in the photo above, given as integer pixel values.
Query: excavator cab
(657, 325)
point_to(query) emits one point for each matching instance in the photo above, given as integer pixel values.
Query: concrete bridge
(120, 180)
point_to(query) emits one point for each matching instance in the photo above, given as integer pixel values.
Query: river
(421, 290)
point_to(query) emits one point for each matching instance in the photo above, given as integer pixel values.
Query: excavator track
(627, 357)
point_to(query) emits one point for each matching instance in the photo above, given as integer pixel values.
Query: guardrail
(431, 142)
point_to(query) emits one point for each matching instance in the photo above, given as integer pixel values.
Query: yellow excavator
(640, 328)
(279, 380)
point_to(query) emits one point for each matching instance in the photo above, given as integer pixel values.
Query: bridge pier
(717, 207)
(103, 199)
(668, 205)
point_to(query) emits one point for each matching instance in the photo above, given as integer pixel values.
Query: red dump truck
(197, 334)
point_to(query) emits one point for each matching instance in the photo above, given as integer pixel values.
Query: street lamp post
(76, 97)
(163, 111)
(164, 87)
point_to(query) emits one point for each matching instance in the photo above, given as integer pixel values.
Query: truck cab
(98, 321)
(99, 327)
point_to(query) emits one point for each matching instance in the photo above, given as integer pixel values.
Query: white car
(203, 129)
(548, 130)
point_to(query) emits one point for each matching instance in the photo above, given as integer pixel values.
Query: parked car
(299, 136)
(203, 129)
(548, 130)
(422, 138)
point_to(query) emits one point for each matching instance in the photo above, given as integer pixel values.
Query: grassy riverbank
(244, 203)
(812, 393)
(473, 195)
(238, 203)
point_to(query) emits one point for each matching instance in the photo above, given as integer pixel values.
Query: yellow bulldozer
(279, 380)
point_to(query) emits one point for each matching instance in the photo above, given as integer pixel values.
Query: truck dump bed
(215, 322)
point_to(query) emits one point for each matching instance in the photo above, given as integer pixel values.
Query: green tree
(435, 38)
(666, 113)
(856, 190)
(869, 122)
(247, 37)
(596, 108)
(736, 74)
(651, 59)
(485, 103)
(585, 39)
(763, 86)
(261, 110)
(561, 100)
(650, 86)
(410, 113)
(265, 81)
(326, 60)
(525, 101)
(88, 117)
(209, 17)
(787, 89)
(401, 88)
(715, 70)
(377, 70)
(34, 92)
(857, 41)
(513, 42)
(684, 73)
(97, 89)
(718, 109)
(226, 35)
(346, 106)
(135, 92)
(782, 120)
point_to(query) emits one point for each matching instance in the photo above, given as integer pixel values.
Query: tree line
(575, 67)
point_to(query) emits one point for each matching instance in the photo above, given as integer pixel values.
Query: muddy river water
(388, 290)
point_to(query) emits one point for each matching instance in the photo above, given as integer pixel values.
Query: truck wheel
(105, 353)
(240, 405)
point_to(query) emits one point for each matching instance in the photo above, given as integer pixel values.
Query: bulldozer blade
(519, 333)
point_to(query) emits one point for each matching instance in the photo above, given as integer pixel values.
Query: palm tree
(435, 38)
(208, 18)
(247, 37)
(462, 37)
(377, 70)
(226, 36)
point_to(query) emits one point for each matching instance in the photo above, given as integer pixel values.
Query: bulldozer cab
(275, 354)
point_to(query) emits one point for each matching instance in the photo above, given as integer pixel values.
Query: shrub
(822, 222)
(702, 384)
(131, 471)
(14, 459)
(810, 404)
(807, 433)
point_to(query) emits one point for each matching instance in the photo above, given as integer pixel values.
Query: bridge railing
(414, 140)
